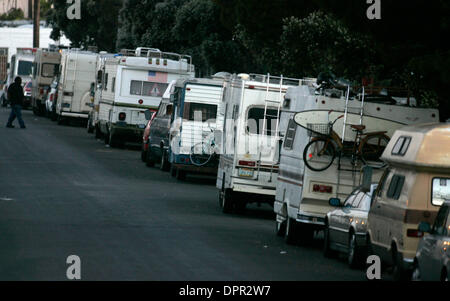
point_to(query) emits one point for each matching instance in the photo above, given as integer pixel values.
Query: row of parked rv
(368, 170)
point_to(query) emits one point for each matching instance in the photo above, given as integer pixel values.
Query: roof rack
(281, 79)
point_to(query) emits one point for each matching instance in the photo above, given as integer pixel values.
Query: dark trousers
(16, 111)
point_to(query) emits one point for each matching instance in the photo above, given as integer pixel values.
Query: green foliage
(45, 8)
(12, 14)
(97, 27)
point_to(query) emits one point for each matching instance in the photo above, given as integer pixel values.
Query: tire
(415, 276)
(90, 129)
(280, 228)
(354, 252)
(398, 273)
(305, 235)
(226, 201)
(149, 161)
(113, 140)
(98, 134)
(53, 116)
(173, 171)
(327, 251)
(373, 151)
(181, 174)
(144, 156)
(165, 165)
(291, 232)
(324, 146)
(60, 120)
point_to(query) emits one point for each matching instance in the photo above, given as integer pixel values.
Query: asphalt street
(62, 192)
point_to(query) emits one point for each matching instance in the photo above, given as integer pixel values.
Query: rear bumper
(312, 219)
(74, 115)
(208, 170)
(127, 131)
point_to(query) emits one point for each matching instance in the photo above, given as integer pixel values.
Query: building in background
(24, 5)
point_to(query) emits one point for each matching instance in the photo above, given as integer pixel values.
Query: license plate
(245, 172)
(314, 219)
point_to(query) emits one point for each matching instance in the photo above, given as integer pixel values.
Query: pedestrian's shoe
(23, 127)
(10, 126)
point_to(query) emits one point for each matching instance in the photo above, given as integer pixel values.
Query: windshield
(24, 68)
(49, 70)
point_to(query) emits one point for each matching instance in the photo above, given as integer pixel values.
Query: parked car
(410, 191)
(432, 261)
(346, 226)
(50, 101)
(27, 94)
(158, 139)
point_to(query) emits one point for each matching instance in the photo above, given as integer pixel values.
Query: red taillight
(322, 188)
(27, 89)
(122, 116)
(140, 101)
(414, 233)
(247, 163)
(41, 91)
(51, 97)
(251, 87)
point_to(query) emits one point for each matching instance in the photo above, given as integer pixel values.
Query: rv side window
(401, 146)
(207, 111)
(106, 82)
(136, 87)
(382, 182)
(440, 191)
(395, 187)
(290, 134)
(113, 85)
(255, 121)
(99, 76)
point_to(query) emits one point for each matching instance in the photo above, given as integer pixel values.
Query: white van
(302, 194)
(74, 90)
(45, 68)
(248, 166)
(197, 116)
(133, 83)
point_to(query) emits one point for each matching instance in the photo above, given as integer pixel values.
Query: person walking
(15, 97)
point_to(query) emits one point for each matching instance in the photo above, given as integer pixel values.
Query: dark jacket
(15, 94)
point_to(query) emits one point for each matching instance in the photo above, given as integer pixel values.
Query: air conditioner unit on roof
(143, 51)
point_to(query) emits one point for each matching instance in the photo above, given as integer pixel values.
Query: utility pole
(36, 23)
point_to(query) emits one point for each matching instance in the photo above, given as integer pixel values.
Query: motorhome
(45, 68)
(21, 65)
(96, 93)
(133, 83)
(77, 73)
(197, 115)
(248, 166)
(302, 194)
(411, 191)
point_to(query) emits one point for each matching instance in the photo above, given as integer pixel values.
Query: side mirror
(424, 227)
(335, 202)
(148, 114)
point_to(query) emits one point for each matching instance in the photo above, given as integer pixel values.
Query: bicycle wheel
(319, 154)
(200, 154)
(372, 147)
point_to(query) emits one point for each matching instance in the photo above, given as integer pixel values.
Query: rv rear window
(255, 121)
(25, 68)
(290, 135)
(401, 146)
(395, 187)
(207, 111)
(49, 70)
(144, 88)
(440, 191)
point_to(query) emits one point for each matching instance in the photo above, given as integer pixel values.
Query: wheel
(143, 155)
(226, 200)
(290, 235)
(354, 253)
(173, 170)
(372, 147)
(53, 115)
(150, 160)
(181, 174)
(90, 128)
(399, 273)
(319, 154)
(35, 111)
(165, 165)
(60, 120)
(327, 251)
(280, 227)
(98, 133)
(444, 275)
(305, 234)
(415, 276)
(113, 141)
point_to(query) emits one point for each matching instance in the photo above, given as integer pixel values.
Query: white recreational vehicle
(77, 73)
(248, 166)
(192, 137)
(133, 83)
(302, 194)
(45, 68)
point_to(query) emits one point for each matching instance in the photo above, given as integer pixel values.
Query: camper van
(133, 83)
(74, 89)
(197, 116)
(21, 65)
(248, 166)
(302, 194)
(45, 68)
(411, 191)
